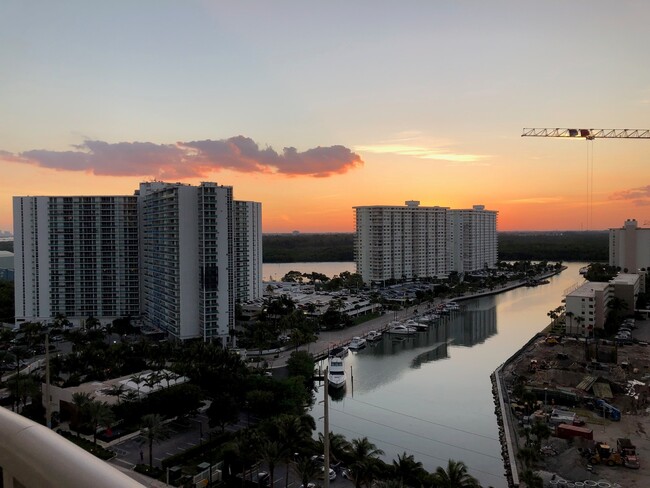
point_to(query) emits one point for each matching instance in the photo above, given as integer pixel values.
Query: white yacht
(401, 329)
(336, 373)
(373, 336)
(357, 343)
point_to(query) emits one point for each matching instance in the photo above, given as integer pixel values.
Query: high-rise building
(170, 254)
(407, 242)
(474, 239)
(248, 250)
(75, 256)
(186, 236)
(629, 247)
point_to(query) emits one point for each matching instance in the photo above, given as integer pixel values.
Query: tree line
(589, 246)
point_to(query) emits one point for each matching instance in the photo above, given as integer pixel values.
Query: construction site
(591, 396)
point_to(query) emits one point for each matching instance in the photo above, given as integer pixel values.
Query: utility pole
(326, 434)
(48, 404)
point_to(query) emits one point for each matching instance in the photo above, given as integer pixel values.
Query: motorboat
(339, 352)
(357, 343)
(402, 329)
(416, 325)
(336, 373)
(373, 336)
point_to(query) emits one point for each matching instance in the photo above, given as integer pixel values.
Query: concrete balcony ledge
(33, 456)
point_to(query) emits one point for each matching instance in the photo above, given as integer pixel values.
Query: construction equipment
(608, 411)
(628, 453)
(589, 134)
(604, 454)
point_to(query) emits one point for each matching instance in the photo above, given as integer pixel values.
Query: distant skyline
(314, 108)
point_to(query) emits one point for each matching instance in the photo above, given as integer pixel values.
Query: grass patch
(366, 318)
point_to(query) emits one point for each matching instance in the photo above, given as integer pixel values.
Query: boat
(336, 373)
(373, 336)
(416, 325)
(401, 329)
(357, 343)
(452, 306)
(339, 352)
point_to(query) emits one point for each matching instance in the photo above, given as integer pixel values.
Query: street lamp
(545, 392)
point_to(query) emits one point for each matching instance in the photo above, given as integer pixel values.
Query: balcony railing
(33, 456)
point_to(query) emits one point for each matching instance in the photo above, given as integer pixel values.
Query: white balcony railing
(33, 456)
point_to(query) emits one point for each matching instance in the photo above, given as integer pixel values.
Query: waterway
(431, 395)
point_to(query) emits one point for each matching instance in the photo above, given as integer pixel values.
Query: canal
(430, 395)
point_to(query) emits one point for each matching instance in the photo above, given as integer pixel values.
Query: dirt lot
(554, 377)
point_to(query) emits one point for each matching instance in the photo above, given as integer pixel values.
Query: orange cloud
(192, 159)
(640, 196)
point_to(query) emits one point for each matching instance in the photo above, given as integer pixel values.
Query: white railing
(33, 456)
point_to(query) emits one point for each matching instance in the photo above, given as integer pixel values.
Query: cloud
(191, 159)
(437, 152)
(639, 196)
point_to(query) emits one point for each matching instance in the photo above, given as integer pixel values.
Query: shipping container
(567, 431)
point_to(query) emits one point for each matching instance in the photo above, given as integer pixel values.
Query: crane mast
(589, 134)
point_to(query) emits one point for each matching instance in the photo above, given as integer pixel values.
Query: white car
(332, 473)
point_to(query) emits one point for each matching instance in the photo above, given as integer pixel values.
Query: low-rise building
(586, 308)
(626, 287)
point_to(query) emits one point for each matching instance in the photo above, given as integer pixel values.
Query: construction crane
(589, 134)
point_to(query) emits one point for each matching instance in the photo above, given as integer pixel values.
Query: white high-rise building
(172, 254)
(629, 247)
(248, 250)
(473, 239)
(187, 281)
(407, 242)
(75, 256)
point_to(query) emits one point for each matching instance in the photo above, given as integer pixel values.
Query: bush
(147, 471)
(87, 445)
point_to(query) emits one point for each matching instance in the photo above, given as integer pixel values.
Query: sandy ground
(568, 464)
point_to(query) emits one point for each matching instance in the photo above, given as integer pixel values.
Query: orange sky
(312, 109)
(547, 189)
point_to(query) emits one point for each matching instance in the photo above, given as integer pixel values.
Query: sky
(313, 108)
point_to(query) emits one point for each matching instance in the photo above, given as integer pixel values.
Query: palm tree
(408, 471)
(81, 401)
(138, 379)
(570, 315)
(339, 446)
(152, 430)
(117, 390)
(151, 380)
(306, 469)
(527, 455)
(364, 455)
(272, 453)
(294, 432)
(100, 414)
(541, 431)
(455, 476)
(531, 479)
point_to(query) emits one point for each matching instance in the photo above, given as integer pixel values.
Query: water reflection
(430, 395)
(476, 323)
(337, 394)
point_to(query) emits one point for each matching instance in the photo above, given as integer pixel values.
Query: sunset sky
(315, 107)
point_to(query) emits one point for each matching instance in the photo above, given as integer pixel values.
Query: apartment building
(473, 238)
(75, 256)
(248, 250)
(170, 254)
(407, 242)
(587, 306)
(629, 247)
